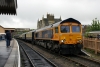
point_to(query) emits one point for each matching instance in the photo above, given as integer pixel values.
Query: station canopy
(8, 7)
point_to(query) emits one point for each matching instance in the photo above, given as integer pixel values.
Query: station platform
(9, 56)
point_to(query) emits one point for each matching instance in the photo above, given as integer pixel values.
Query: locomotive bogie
(71, 49)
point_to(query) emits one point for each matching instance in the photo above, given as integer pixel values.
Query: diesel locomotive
(64, 37)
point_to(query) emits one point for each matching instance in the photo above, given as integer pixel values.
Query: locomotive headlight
(79, 41)
(62, 40)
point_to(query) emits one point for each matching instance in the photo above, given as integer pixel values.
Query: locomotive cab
(70, 37)
(70, 34)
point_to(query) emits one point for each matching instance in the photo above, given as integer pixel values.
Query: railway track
(24, 59)
(90, 61)
(84, 61)
(78, 60)
(35, 58)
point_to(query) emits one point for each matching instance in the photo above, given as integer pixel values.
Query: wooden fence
(92, 43)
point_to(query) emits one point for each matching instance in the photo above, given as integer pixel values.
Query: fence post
(83, 42)
(95, 45)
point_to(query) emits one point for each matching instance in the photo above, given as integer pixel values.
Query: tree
(95, 25)
(88, 29)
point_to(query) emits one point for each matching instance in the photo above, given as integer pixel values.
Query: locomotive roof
(23, 33)
(67, 20)
(44, 28)
(71, 20)
(60, 22)
(31, 31)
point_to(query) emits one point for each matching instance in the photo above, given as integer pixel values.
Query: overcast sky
(29, 11)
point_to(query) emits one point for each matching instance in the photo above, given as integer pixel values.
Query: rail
(36, 59)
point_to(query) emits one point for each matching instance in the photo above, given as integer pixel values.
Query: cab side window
(56, 29)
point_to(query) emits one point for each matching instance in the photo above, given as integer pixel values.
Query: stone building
(47, 21)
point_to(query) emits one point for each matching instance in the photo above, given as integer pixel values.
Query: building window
(56, 29)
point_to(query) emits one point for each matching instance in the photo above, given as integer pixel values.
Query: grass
(92, 52)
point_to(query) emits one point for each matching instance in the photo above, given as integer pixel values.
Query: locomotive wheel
(39, 43)
(45, 45)
(42, 44)
(56, 47)
(49, 45)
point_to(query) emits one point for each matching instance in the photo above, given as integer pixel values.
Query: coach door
(25, 36)
(32, 36)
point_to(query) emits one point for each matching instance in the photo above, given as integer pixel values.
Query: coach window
(56, 29)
